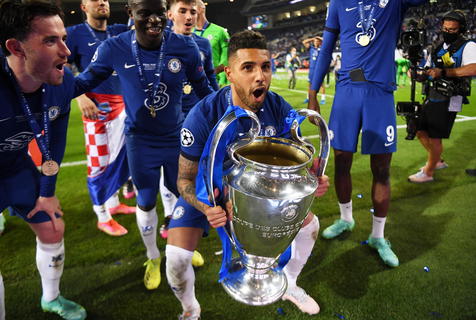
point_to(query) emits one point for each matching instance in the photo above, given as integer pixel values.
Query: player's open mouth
(154, 30)
(259, 93)
(60, 66)
(188, 25)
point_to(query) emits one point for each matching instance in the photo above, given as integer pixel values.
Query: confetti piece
(360, 196)
(436, 314)
(280, 311)
(372, 210)
(340, 316)
(427, 269)
(217, 253)
(364, 242)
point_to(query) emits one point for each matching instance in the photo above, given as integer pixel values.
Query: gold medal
(50, 168)
(187, 89)
(364, 40)
(152, 111)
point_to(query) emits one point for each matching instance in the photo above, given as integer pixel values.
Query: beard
(246, 98)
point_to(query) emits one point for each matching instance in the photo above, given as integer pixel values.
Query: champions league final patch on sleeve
(186, 137)
(174, 65)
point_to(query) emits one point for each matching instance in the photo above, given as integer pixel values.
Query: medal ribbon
(366, 24)
(93, 34)
(158, 71)
(42, 139)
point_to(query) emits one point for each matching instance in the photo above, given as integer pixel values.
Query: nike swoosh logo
(350, 9)
(91, 44)
(387, 144)
(128, 66)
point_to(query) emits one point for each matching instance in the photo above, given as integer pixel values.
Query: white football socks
(147, 223)
(112, 202)
(50, 264)
(181, 276)
(168, 198)
(102, 214)
(346, 211)
(301, 249)
(2, 299)
(378, 226)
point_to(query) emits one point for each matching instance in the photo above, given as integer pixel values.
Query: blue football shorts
(367, 108)
(20, 191)
(145, 159)
(185, 215)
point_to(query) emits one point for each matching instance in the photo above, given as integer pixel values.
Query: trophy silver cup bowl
(270, 189)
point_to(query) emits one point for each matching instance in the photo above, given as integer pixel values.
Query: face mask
(449, 37)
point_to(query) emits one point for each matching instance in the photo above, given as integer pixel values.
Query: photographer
(453, 63)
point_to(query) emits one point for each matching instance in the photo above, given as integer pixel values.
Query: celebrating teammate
(103, 118)
(249, 73)
(183, 15)
(368, 37)
(151, 63)
(36, 92)
(218, 37)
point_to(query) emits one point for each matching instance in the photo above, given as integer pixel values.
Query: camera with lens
(412, 41)
(452, 87)
(411, 111)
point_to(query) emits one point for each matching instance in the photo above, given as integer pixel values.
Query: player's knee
(47, 234)
(381, 173)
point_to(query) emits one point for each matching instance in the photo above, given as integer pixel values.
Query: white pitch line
(73, 163)
(402, 126)
(295, 90)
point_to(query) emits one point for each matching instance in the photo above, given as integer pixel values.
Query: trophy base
(254, 288)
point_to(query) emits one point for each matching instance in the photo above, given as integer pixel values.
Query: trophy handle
(221, 128)
(315, 118)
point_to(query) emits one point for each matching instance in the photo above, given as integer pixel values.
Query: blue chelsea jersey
(377, 58)
(181, 60)
(15, 130)
(206, 114)
(189, 97)
(83, 44)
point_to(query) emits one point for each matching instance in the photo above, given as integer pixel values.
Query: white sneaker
(302, 300)
(420, 177)
(439, 165)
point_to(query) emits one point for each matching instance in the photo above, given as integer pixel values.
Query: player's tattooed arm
(186, 182)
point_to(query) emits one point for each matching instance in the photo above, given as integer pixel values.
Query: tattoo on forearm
(186, 182)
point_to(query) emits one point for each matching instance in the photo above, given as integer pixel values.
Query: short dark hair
(16, 18)
(458, 16)
(246, 39)
(170, 3)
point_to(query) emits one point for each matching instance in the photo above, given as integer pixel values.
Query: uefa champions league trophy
(271, 190)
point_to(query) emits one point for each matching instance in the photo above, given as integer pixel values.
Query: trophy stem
(256, 287)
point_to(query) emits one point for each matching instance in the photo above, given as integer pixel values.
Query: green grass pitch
(431, 225)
